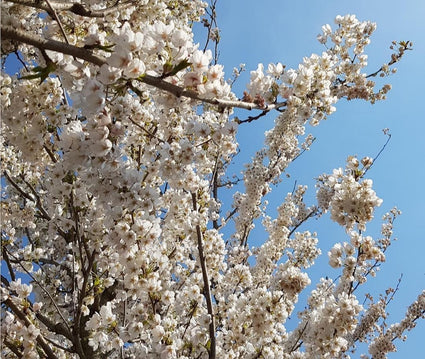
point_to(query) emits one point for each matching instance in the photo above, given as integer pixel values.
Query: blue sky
(285, 31)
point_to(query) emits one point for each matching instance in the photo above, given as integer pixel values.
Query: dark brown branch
(395, 57)
(75, 8)
(214, 187)
(311, 214)
(395, 290)
(206, 291)
(42, 288)
(13, 34)
(50, 153)
(9, 265)
(53, 13)
(209, 25)
(69, 350)
(40, 339)
(145, 130)
(12, 347)
(252, 118)
(57, 328)
(85, 54)
(77, 340)
(231, 214)
(16, 186)
(379, 153)
(37, 199)
(299, 342)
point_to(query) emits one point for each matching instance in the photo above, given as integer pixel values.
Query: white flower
(135, 68)
(23, 290)
(120, 58)
(275, 70)
(108, 75)
(106, 314)
(200, 60)
(157, 333)
(94, 322)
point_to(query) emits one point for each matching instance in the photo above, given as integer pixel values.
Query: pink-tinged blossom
(108, 75)
(135, 68)
(200, 60)
(120, 58)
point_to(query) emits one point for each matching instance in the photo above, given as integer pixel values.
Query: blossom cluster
(350, 198)
(308, 94)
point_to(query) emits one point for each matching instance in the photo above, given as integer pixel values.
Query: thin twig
(395, 290)
(252, 118)
(296, 344)
(53, 13)
(37, 200)
(20, 60)
(311, 214)
(145, 130)
(379, 153)
(209, 25)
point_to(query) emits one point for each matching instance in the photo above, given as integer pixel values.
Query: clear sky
(285, 31)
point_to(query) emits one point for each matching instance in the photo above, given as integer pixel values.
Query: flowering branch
(40, 339)
(158, 82)
(27, 196)
(44, 290)
(207, 291)
(13, 34)
(77, 9)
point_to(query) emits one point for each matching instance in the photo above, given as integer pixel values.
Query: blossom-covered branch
(76, 8)
(87, 55)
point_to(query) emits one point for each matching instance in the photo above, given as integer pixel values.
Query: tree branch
(56, 17)
(207, 291)
(13, 34)
(252, 118)
(12, 347)
(75, 8)
(181, 92)
(85, 54)
(7, 260)
(43, 289)
(40, 339)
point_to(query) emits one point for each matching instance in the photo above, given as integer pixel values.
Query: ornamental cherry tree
(117, 135)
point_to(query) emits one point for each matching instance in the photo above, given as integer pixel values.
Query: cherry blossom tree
(117, 136)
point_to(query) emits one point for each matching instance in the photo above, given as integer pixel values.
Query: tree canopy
(117, 138)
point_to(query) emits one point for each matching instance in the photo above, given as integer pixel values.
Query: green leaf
(180, 66)
(169, 70)
(41, 72)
